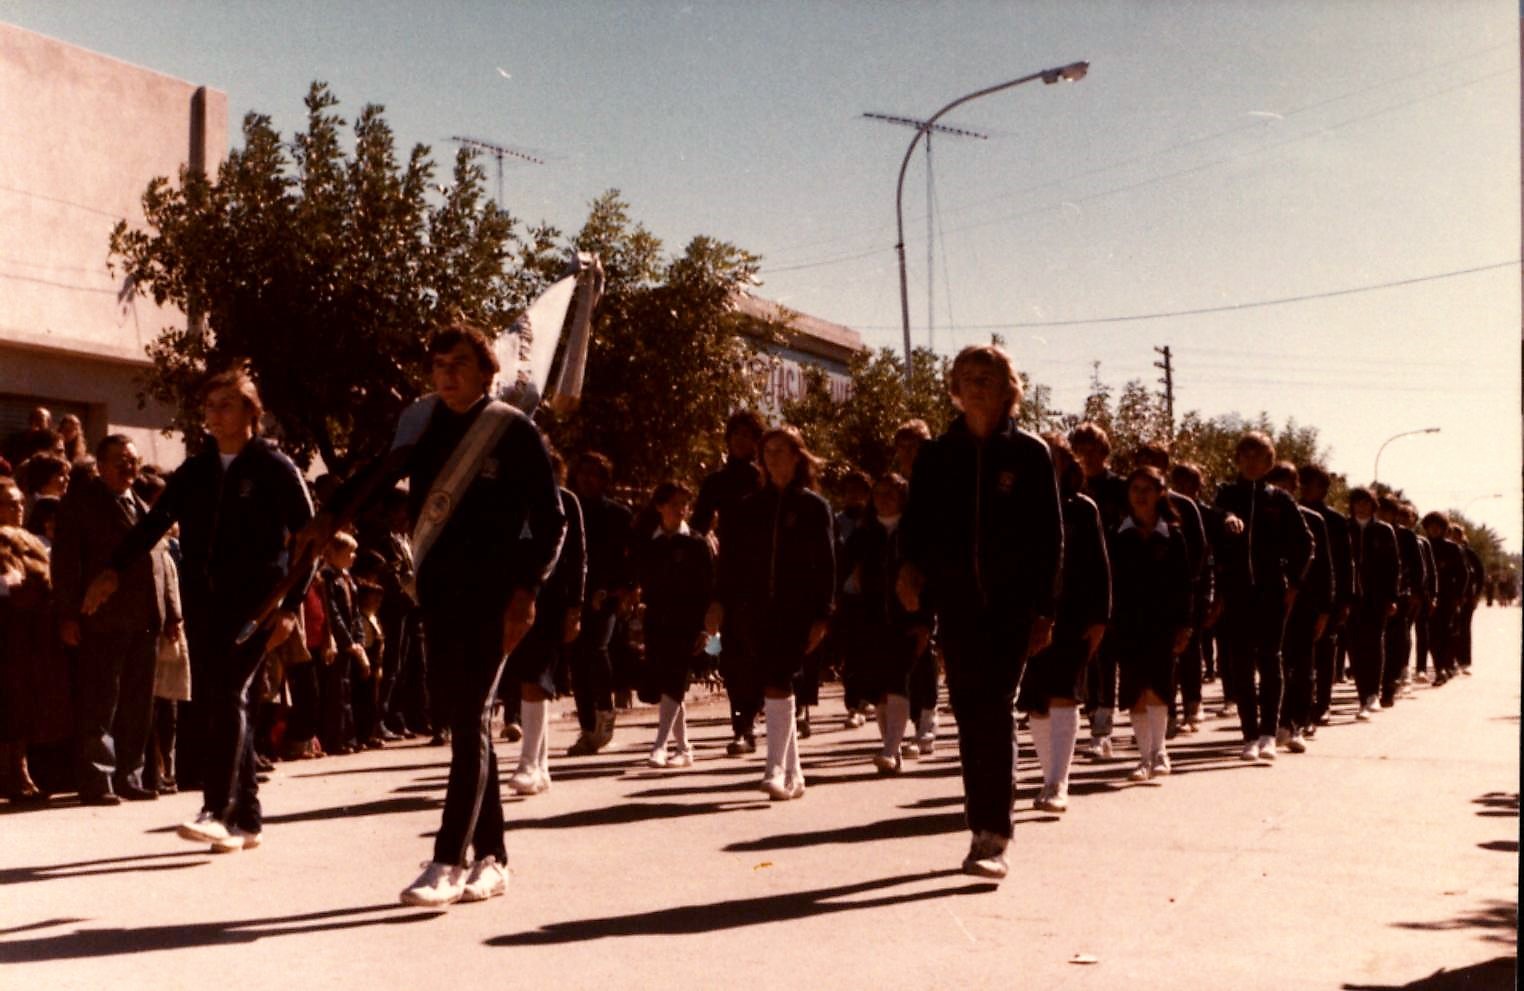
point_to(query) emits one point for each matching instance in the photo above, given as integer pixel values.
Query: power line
(1227, 308)
(57, 285)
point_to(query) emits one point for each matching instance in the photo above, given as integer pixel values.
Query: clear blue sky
(1219, 153)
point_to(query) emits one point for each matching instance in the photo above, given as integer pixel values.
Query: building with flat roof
(81, 136)
(808, 342)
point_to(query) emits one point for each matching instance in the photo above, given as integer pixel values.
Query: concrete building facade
(81, 136)
(809, 342)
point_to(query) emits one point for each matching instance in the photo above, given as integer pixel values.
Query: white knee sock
(927, 725)
(666, 712)
(680, 727)
(881, 713)
(1143, 732)
(532, 718)
(896, 715)
(1063, 725)
(793, 769)
(779, 715)
(1042, 742)
(1158, 726)
(544, 761)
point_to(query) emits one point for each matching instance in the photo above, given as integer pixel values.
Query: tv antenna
(930, 129)
(499, 152)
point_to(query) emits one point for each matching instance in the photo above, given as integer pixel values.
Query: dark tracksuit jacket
(721, 491)
(1108, 491)
(777, 577)
(1151, 588)
(676, 574)
(1084, 600)
(1451, 584)
(1316, 598)
(884, 642)
(1378, 585)
(534, 660)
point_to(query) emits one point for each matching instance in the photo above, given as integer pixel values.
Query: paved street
(1387, 853)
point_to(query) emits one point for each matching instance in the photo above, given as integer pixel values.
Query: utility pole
(498, 152)
(1168, 381)
(929, 129)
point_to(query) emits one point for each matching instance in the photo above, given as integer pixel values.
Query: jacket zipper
(979, 520)
(1253, 493)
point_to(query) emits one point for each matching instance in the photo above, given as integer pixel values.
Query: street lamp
(1073, 72)
(1376, 472)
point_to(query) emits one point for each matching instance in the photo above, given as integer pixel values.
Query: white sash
(456, 476)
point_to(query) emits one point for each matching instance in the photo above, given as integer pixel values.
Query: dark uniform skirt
(1056, 673)
(773, 643)
(670, 660)
(533, 661)
(1145, 662)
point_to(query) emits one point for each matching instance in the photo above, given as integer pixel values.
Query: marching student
(1264, 563)
(1092, 449)
(1450, 592)
(1378, 582)
(719, 495)
(847, 624)
(1476, 578)
(1314, 482)
(531, 669)
(908, 440)
(1054, 681)
(776, 586)
(1306, 624)
(1399, 629)
(606, 532)
(983, 539)
(1424, 607)
(888, 641)
(1151, 613)
(675, 570)
(1187, 479)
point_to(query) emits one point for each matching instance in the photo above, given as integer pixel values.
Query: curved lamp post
(1073, 72)
(1376, 472)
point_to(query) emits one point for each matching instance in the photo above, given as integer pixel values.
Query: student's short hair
(1152, 453)
(857, 479)
(1186, 470)
(1457, 531)
(1282, 472)
(1089, 434)
(667, 491)
(743, 420)
(804, 474)
(895, 481)
(38, 470)
(345, 540)
(1313, 474)
(1436, 517)
(991, 357)
(1361, 495)
(598, 461)
(462, 331)
(108, 442)
(1255, 441)
(912, 429)
(1387, 504)
(240, 381)
(1166, 511)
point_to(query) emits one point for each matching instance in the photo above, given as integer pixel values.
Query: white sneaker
(1422, 677)
(657, 758)
(1051, 798)
(795, 788)
(1250, 751)
(927, 743)
(1228, 710)
(438, 885)
(1297, 744)
(986, 856)
(1363, 714)
(237, 839)
(1373, 704)
(529, 781)
(205, 828)
(680, 758)
(1267, 748)
(486, 880)
(1141, 773)
(909, 748)
(1100, 748)
(776, 789)
(1161, 765)
(1282, 737)
(855, 720)
(888, 764)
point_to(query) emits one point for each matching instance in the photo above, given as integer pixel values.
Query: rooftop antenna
(930, 129)
(498, 152)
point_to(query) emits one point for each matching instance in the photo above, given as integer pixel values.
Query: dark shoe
(263, 763)
(133, 793)
(103, 799)
(168, 788)
(437, 740)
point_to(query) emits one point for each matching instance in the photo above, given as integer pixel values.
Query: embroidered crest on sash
(436, 509)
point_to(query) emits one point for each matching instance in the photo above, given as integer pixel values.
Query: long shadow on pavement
(1493, 975)
(111, 865)
(85, 943)
(632, 812)
(715, 916)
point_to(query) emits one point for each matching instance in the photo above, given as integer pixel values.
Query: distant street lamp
(1073, 72)
(1376, 472)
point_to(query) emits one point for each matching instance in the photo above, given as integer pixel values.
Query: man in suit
(117, 645)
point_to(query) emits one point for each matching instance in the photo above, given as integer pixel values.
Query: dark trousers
(338, 719)
(364, 694)
(465, 663)
(1367, 650)
(923, 684)
(1398, 643)
(985, 655)
(1299, 705)
(1189, 672)
(305, 719)
(1253, 627)
(159, 759)
(1324, 657)
(113, 708)
(743, 682)
(592, 668)
(1421, 639)
(1462, 636)
(1442, 637)
(223, 678)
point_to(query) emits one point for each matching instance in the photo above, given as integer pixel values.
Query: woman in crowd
(776, 581)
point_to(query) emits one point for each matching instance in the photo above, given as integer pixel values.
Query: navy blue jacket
(777, 556)
(1340, 554)
(1378, 564)
(722, 491)
(1275, 548)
